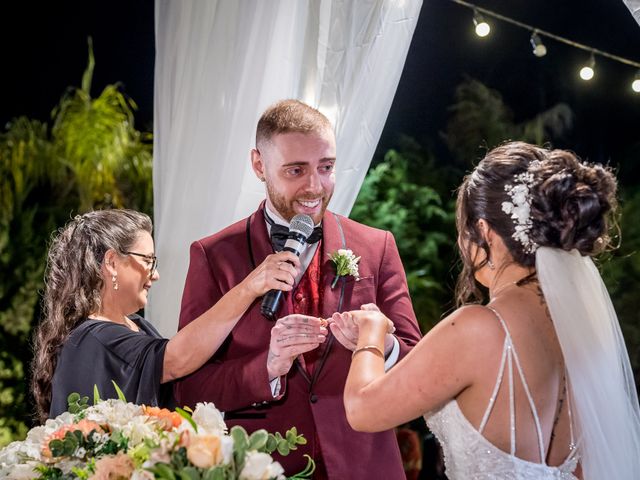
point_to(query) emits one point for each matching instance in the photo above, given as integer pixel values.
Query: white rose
(209, 419)
(139, 429)
(227, 449)
(260, 466)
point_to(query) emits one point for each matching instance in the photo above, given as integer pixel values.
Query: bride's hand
(347, 326)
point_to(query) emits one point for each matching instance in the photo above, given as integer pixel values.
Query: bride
(536, 384)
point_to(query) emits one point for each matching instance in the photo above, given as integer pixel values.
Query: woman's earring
(491, 265)
(114, 282)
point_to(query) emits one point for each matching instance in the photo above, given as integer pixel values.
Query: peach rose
(85, 426)
(204, 451)
(166, 418)
(114, 467)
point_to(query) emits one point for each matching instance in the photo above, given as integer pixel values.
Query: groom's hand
(291, 336)
(277, 272)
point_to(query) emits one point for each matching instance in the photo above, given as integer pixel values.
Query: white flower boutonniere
(346, 264)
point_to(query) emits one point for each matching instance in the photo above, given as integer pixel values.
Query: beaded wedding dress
(603, 402)
(469, 455)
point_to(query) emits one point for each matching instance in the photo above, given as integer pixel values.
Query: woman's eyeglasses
(151, 260)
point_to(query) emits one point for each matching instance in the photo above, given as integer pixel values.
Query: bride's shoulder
(475, 322)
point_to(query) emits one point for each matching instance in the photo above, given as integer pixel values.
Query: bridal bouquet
(114, 439)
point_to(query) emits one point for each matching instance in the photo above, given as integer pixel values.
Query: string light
(635, 85)
(587, 72)
(482, 27)
(539, 50)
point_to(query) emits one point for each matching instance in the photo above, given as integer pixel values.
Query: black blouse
(99, 351)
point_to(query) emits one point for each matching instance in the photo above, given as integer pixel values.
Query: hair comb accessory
(519, 208)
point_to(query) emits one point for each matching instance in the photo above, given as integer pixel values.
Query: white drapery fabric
(634, 6)
(219, 64)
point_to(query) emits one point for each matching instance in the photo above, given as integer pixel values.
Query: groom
(274, 375)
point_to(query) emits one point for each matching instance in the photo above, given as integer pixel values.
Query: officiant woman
(100, 268)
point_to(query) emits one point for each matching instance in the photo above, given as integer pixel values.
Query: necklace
(497, 291)
(127, 322)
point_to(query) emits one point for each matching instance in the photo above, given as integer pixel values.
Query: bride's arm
(437, 369)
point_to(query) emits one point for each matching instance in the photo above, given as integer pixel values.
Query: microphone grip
(271, 303)
(272, 299)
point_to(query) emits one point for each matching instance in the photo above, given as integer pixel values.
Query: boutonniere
(346, 263)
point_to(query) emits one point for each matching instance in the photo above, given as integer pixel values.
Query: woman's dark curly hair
(572, 204)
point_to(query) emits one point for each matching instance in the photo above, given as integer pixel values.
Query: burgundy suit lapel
(332, 240)
(259, 237)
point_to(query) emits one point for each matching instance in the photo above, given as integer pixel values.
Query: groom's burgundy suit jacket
(235, 379)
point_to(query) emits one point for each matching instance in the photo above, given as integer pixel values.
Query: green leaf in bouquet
(216, 473)
(271, 445)
(81, 473)
(241, 445)
(179, 459)
(56, 447)
(240, 437)
(96, 394)
(189, 473)
(119, 392)
(283, 447)
(187, 416)
(162, 471)
(258, 440)
(307, 472)
(76, 403)
(70, 444)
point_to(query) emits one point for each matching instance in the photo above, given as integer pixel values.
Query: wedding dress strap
(509, 355)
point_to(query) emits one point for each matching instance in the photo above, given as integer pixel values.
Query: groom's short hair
(287, 116)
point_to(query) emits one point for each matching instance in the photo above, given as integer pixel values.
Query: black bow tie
(280, 233)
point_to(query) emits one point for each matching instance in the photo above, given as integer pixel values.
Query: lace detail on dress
(468, 455)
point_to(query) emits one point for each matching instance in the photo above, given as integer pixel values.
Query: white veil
(603, 394)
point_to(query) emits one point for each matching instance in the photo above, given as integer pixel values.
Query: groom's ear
(257, 163)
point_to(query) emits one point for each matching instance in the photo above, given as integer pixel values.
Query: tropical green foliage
(479, 117)
(423, 226)
(91, 157)
(621, 272)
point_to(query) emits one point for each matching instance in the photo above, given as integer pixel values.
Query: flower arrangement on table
(114, 439)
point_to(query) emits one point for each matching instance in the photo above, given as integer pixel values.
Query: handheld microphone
(299, 230)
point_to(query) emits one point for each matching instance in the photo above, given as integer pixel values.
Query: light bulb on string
(635, 85)
(587, 72)
(482, 27)
(539, 49)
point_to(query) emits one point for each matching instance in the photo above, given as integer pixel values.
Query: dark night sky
(44, 51)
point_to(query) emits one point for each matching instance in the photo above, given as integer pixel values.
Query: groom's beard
(286, 207)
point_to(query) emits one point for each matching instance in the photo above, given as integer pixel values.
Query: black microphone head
(302, 224)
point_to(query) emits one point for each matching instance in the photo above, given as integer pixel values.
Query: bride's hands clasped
(348, 327)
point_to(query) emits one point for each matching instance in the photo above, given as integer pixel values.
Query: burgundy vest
(306, 299)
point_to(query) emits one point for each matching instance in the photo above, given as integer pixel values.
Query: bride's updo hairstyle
(562, 203)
